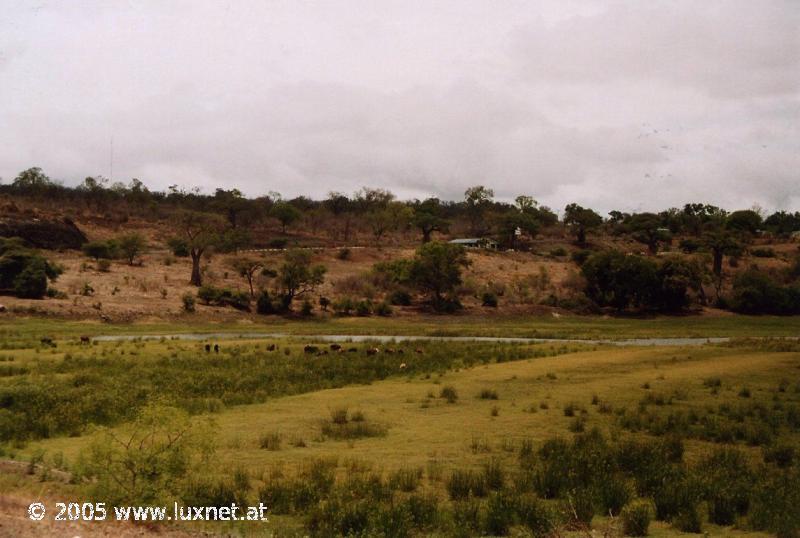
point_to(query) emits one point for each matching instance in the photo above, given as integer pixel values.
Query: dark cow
(271, 347)
(310, 349)
(352, 350)
(419, 351)
(85, 339)
(372, 351)
(335, 347)
(216, 348)
(208, 348)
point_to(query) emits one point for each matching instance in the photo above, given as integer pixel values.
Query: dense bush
(755, 292)
(23, 271)
(224, 297)
(628, 281)
(636, 518)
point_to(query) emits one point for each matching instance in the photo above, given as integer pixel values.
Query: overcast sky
(616, 105)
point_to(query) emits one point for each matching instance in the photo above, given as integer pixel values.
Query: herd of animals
(308, 349)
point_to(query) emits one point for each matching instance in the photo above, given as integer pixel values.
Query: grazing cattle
(388, 350)
(271, 347)
(372, 351)
(335, 347)
(47, 341)
(310, 349)
(323, 352)
(401, 352)
(208, 348)
(85, 339)
(352, 350)
(419, 351)
(2, 308)
(402, 366)
(216, 348)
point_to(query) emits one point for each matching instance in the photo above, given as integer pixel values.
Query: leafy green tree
(783, 223)
(286, 213)
(513, 220)
(745, 220)
(428, 218)
(201, 231)
(581, 220)
(477, 199)
(32, 180)
(720, 242)
(436, 270)
(646, 228)
(131, 246)
(231, 203)
(297, 276)
(248, 268)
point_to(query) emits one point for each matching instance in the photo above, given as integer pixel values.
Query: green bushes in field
(24, 272)
(636, 518)
(210, 295)
(68, 394)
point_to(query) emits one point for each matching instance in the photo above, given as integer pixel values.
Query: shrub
(493, 474)
(179, 247)
(343, 254)
(690, 245)
(466, 517)
(489, 299)
(462, 483)
(557, 252)
(614, 494)
(270, 441)
(579, 506)
(405, 479)
(580, 256)
(24, 271)
(306, 309)
(363, 308)
(500, 514)
(424, 510)
(763, 252)
(344, 306)
(400, 298)
(449, 393)
(264, 304)
(188, 302)
(383, 309)
(776, 496)
(278, 242)
(99, 250)
(636, 518)
(104, 266)
(224, 297)
(755, 292)
(535, 515)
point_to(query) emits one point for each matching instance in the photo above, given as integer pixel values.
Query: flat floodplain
(412, 413)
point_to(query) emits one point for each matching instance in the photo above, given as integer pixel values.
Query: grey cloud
(619, 105)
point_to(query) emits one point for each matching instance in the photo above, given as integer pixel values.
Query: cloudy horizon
(614, 104)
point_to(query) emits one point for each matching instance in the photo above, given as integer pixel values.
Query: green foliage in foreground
(106, 385)
(561, 484)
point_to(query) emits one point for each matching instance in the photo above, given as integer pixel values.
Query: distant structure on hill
(476, 242)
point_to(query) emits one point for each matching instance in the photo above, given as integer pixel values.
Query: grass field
(28, 329)
(451, 407)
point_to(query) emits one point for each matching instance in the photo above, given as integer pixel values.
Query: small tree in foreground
(149, 460)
